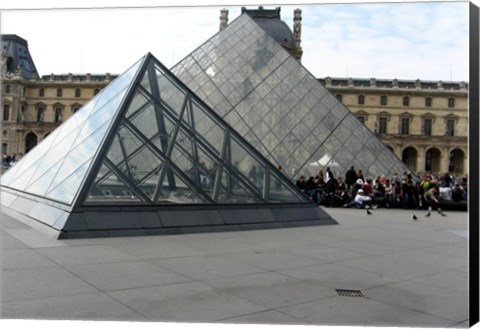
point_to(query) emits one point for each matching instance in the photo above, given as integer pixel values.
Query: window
(361, 118)
(383, 100)
(96, 91)
(22, 112)
(40, 114)
(41, 92)
(7, 89)
(58, 114)
(361, 99)
(6, 112)
(382, 126)
(406, 101)
(450, 128)
(78, 92)
(427, 127)
(451, 103)
(428, 102)
(339, 97)
(75, 109)
(405, 127)
(59, 92)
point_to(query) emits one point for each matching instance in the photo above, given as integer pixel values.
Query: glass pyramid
(145, 143)
(279, 107)
(56, 168)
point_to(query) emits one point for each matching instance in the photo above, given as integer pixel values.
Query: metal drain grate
(349, 293)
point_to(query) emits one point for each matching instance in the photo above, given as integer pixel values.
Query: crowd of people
(425, 191)
(7, 160)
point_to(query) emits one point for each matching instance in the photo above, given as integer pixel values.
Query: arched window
(406, 101)
(30, 141)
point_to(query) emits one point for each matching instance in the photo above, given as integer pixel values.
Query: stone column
(444, 161)
(297, 27)
(223, 19)
(421, 159)
(297, 33)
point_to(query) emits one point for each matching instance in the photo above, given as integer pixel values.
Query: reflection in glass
(267, 92)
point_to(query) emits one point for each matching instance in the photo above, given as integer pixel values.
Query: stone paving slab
(207, 267)
(411, 274)
(36, 283)
(425, 298)
(125, 275)
(96, 306)
(271, 289)
(346, 311)
(185, 302)
(77, 255)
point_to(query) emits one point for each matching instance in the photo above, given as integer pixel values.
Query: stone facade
(32, 108)
(424, 123)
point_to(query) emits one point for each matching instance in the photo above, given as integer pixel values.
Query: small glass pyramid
(279, 107)
(146, 143)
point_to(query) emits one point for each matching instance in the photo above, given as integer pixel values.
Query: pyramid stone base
(91, 222)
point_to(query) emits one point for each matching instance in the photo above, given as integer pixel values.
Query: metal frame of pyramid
(279, 107)
(140, 152)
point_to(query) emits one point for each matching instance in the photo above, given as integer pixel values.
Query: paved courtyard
(409, 273)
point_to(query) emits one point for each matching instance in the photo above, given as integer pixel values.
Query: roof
(18, 56)
(270, 21)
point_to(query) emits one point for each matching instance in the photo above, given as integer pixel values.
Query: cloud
(382, 40)
(406, 41)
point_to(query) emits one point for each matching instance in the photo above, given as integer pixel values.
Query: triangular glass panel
(234, 189)
(110, 186)
(67, 190)
(55, 151)
(171, 94)
(178, 188)
(279, 191)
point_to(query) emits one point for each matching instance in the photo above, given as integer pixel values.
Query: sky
(385, 40)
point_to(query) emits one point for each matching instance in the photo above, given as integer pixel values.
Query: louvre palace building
(424, 123)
